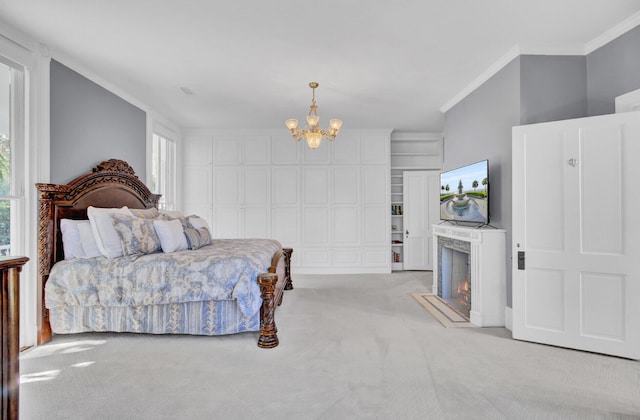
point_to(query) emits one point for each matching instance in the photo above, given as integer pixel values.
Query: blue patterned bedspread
(225, 270)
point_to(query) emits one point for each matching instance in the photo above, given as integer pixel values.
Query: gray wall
(535, 89)
(89, 124)
(479, 127)
(552, 88)
(613, 70)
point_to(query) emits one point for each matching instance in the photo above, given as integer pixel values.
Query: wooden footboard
(272, 286)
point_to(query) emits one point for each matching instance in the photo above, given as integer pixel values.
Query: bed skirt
(197, 318)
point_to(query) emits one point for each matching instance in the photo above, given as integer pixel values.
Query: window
(163, 171)
(11, 189)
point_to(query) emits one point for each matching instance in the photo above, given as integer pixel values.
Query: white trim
(628, 102)
(41, 164)
(18, 48)
(16, 45)
(173, 134)
(149, 149)
(112, 87)
(338, 270)
(518, 50)
(164, 130)
(480, 80)
(417, 136)
(508, 318)
(553, 50)
(611, 34)
(80, 69)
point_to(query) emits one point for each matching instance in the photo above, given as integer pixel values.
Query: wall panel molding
(330, 204)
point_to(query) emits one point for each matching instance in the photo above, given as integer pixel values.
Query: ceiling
(380, 63)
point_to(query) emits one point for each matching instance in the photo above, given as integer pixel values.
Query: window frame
(168, 178)
(16, 196)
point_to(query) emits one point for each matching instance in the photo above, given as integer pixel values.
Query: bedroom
(510, 97)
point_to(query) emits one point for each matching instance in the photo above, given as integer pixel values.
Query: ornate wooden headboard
(113, 183)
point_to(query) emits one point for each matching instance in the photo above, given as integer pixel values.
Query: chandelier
(311, 131)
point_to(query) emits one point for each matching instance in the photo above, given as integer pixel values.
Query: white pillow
(88, 240)
(106, 236)
(71, 238)
(171, 235)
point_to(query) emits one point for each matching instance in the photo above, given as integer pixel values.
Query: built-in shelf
(409, 151)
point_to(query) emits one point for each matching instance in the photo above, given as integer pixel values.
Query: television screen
(464, 193)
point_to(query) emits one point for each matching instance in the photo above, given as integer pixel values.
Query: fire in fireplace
(454, 286)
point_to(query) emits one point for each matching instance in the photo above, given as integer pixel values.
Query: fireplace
(469, 272)
(454, 279)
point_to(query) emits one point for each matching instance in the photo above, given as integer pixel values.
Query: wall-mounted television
(464, 194)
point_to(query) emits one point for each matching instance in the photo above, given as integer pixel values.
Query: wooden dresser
(10, 268)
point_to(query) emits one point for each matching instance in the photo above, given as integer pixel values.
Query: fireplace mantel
(488, 269)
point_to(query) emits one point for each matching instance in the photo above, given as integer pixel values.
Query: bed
(226, 286)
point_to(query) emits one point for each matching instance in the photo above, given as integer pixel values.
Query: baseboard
(339, 270)
(486, 320)
(508, 318)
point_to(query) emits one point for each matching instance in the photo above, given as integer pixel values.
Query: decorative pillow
(205, 236)
(197, 238)
(193, 238)
(106, 236)
(151, 213)
(71, 238)
(198, 222)
(137, 235)
(171, 235)
(88, 240)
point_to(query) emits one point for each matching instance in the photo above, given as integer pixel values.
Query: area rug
(446, 315)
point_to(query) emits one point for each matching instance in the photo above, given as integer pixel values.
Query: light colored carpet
(351, 347)
(446, 315)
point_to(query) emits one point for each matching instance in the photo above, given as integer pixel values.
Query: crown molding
(486, 75)
(542, 50)
(79, 68)
(608, 36)
(113, 88)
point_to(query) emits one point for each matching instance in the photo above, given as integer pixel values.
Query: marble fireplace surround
(487, 266)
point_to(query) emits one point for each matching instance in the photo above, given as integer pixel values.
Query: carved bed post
(287, 268)
(46, 239)
(268, 331)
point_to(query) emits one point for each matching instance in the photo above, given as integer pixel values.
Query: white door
(420, 202)
(576, 229)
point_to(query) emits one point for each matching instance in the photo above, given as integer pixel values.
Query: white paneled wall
(330, 204)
